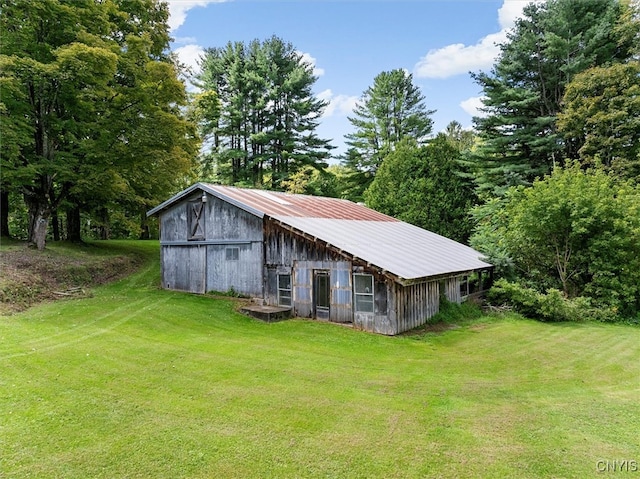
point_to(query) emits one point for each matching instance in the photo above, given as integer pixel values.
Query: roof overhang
(207, 189)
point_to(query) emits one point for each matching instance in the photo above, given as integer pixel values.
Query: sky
(350, 42)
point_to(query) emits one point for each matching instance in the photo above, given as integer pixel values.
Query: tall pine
(261, 126)
(548, 46)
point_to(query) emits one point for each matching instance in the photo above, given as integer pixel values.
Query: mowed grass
(138, 382)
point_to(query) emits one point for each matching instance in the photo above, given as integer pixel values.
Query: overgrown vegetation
(141, 382)
(571, 242)
(63, 271)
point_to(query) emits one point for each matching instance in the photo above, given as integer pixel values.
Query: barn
(322, 258)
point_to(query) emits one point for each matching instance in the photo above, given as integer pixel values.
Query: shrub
(549, 306)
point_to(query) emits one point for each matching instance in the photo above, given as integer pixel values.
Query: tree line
(97, 127)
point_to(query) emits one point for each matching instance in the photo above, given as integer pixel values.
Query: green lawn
(141, 383)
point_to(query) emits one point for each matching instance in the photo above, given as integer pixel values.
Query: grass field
(138, 382)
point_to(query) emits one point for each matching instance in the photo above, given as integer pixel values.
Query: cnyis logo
(617, 465)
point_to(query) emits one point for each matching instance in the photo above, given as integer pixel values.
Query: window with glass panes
(363, 293)
(284, 289)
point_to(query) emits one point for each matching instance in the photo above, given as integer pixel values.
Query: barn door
(321, 294)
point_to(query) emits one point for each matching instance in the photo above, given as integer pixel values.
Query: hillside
(61, 271)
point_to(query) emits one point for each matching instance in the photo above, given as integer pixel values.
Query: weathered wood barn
(324, 258)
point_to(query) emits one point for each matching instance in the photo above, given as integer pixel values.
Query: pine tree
(549, 45)
(390, 110)
(262, 127)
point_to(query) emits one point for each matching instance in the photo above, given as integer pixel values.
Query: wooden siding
(451, 289)
(243, 275)
(380, 321)
(228, 222)
(415, 304)
(202, 265)
(282, 247)
(184, 268)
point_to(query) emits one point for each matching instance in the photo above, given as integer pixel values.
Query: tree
(422, 185)
(460, 138)
(576, 231)
(390, 110)
(259, 113)
(602, 112)
(311, 181)
(549, 45)
(99, 98)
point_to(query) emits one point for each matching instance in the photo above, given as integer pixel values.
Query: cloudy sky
(350, 42)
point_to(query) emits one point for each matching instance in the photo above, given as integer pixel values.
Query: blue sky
(350, 42)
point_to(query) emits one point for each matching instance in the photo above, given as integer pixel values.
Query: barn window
(363, 293)
(195, 215)
(232, 254)
(284, 289)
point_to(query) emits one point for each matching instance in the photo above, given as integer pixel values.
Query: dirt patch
(29, 276)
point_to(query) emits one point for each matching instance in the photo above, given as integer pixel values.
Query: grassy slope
(30, 276)
(138, 382)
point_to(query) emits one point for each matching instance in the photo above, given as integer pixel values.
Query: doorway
(321, 294)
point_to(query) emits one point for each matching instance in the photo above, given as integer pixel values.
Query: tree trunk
(144, 227)
(73, 225)
(55, 223)
(4, 213)
(39, 214)
(104, 230)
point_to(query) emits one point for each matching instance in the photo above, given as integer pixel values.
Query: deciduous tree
(99, 98)
(422, 185)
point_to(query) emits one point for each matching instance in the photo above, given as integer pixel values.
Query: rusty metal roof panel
(400, 248)
(274, 203)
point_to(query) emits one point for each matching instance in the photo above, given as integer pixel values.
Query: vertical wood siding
(184, 268)
(199, 267)
(415, 304)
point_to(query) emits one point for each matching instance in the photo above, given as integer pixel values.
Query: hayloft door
(321, 294)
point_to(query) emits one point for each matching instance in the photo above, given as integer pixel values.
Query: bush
(549, 306)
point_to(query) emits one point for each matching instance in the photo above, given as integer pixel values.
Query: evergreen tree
(550, 44)
(260, 113)
(390, 110)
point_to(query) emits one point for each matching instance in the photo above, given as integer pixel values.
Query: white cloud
(338, 104)
(472, 106)
(178, 10)
(510, 11)
(307, 58)
(459, 58)
(190, 55)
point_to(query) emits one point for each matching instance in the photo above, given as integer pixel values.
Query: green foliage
(551, 305)
(422, 185)
(488, 235)
(95, 112)
(576, 231)
(523, 94)
(602, 112)
(390, 110)
(259, 113)
(315, 182)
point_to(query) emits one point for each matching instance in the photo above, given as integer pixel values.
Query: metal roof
(278, 204)
(399, 248)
